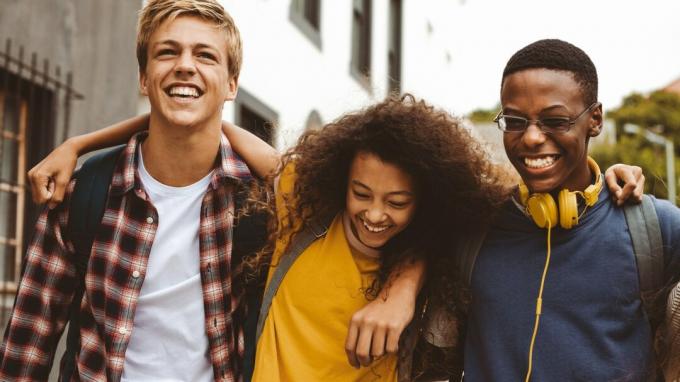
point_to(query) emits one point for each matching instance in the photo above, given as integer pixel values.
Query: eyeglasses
(550, 125)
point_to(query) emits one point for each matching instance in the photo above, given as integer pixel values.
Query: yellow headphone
(543, 209)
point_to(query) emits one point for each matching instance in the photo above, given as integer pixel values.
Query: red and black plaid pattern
(114, 278)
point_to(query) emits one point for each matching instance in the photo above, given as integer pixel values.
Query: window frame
(361, 44)
(299, 15)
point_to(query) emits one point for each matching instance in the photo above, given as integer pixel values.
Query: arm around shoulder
(258, 154)
(50, 177)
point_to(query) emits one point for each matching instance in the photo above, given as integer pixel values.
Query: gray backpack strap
(468, 249)
(302, 240)
(643, 225)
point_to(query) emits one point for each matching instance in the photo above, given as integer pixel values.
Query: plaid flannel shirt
(114, 278)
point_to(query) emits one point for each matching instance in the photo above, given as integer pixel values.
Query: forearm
(115, 134)
(406, 280)
(260, 156)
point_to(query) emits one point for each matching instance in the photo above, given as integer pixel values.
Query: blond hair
(155, 12)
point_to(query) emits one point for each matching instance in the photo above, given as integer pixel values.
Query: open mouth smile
(374, 228)
(183, 92)
(540, 162)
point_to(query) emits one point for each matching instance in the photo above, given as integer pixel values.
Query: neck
(180, 155)
(581, 179)
(353, 240)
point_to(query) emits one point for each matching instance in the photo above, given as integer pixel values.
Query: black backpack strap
(643, 225)
(302, 240)
(249, 236)
(467, 250)
(86, 210)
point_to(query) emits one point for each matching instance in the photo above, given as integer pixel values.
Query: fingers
(41, 186)
(351, 344)
(363, 349)
(639, 189)
(613, 185)
(392, 342)
(378, 342)
(633, 183)
(368, 340)
(58, 189)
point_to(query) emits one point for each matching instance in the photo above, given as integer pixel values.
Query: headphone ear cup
(568, 209)
(543, 210)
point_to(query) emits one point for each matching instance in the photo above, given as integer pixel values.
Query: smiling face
(186, 77)
(381, 199)
(549, 162)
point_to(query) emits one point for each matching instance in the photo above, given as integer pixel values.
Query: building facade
(66, 67)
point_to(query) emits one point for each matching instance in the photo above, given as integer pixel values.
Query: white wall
(288, 73)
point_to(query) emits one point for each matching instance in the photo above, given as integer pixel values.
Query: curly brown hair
(458, 187)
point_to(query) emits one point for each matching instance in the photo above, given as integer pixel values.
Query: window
(394, 48)
(13, 118)
(314, 121)
(361, 40)
(306, 15)
(30, 102)
(254, 116)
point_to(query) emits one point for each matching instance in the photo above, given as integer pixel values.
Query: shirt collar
(229, 167)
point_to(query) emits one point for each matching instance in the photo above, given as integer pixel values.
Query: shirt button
(122, 330)
(149, 220)
(135, 274)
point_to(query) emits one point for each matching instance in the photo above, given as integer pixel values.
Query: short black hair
(557, 55)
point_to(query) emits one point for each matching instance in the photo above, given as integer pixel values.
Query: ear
(232, 89)
(596, 121)
(142, 84)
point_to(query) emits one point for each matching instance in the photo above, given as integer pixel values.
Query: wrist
(75, 145)
(403, 289)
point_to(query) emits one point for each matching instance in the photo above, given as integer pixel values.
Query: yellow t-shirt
(303, 338)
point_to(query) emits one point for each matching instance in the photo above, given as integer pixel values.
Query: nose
(533, 135)
(375, 214)
(185, 64)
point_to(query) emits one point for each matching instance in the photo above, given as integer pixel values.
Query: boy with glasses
(555, 290)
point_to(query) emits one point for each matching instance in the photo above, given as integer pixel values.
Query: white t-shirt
(168, 340)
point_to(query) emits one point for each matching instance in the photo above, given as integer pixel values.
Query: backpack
(87, 205)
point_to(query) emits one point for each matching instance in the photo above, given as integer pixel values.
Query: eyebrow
(549, 108)
(176, 43)
(404, 192)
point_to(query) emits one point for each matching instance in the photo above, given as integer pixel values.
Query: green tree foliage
(658, 112)
(484, 115)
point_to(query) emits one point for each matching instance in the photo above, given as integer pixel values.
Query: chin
(375, 244)
(542, 186)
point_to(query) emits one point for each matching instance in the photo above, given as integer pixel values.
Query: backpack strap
(314, 230)
(249, 235)
(643, 225)
(467, 251)
(86, 210)
(645, 233)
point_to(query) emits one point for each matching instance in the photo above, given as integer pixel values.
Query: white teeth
(374, 229)
(187, 91)
(540, 162)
